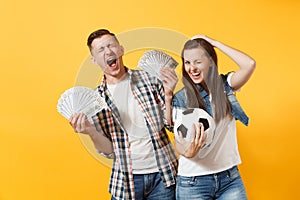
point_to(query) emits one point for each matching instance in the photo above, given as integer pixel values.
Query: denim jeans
(225, 185)
(151, 187)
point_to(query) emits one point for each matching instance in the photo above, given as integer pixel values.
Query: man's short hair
(98, 34)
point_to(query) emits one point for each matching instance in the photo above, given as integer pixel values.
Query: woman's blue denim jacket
(180, 100)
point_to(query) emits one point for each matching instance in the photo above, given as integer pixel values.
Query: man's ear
(122, 50)
(93, 60)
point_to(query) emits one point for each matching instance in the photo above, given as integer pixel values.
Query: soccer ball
(184, 120)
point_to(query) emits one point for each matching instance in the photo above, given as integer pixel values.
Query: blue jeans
(151, 187)
(225, 185)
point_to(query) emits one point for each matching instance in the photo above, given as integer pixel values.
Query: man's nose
(107, 50)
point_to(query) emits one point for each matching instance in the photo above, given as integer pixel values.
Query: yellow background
(43, 44)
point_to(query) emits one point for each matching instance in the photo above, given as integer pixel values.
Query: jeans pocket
(234, 174)
(187, 181)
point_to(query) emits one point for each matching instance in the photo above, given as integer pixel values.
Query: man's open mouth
(111, 62)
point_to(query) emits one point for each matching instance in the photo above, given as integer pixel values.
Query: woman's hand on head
(198, 36)
(202, 36)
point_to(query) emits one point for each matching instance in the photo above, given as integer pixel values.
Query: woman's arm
(191, 148)
(246, 63)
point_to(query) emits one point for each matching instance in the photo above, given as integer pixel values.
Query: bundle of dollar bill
(80, 99)
(152, 61)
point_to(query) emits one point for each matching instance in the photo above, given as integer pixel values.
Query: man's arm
(81, 124)
(170, 80)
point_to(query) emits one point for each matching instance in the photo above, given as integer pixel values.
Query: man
(132, 127)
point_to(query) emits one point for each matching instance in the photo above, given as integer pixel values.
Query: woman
(215, 175)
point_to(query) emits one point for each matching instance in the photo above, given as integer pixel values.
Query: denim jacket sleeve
(236, 109)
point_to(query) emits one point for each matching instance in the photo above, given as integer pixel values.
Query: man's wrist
(168, 98)
(94, 134)
(169, 95)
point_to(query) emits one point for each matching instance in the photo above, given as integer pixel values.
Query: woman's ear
(212, 62)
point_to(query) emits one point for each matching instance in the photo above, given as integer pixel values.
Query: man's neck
(111, 80)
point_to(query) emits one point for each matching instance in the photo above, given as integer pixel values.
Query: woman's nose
(193, 66)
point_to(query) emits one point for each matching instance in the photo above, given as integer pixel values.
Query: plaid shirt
(149, 93)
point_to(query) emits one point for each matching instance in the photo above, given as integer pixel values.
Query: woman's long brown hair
(213, 83)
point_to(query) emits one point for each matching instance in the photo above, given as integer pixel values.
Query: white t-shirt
(141, 148)
(223, 155)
